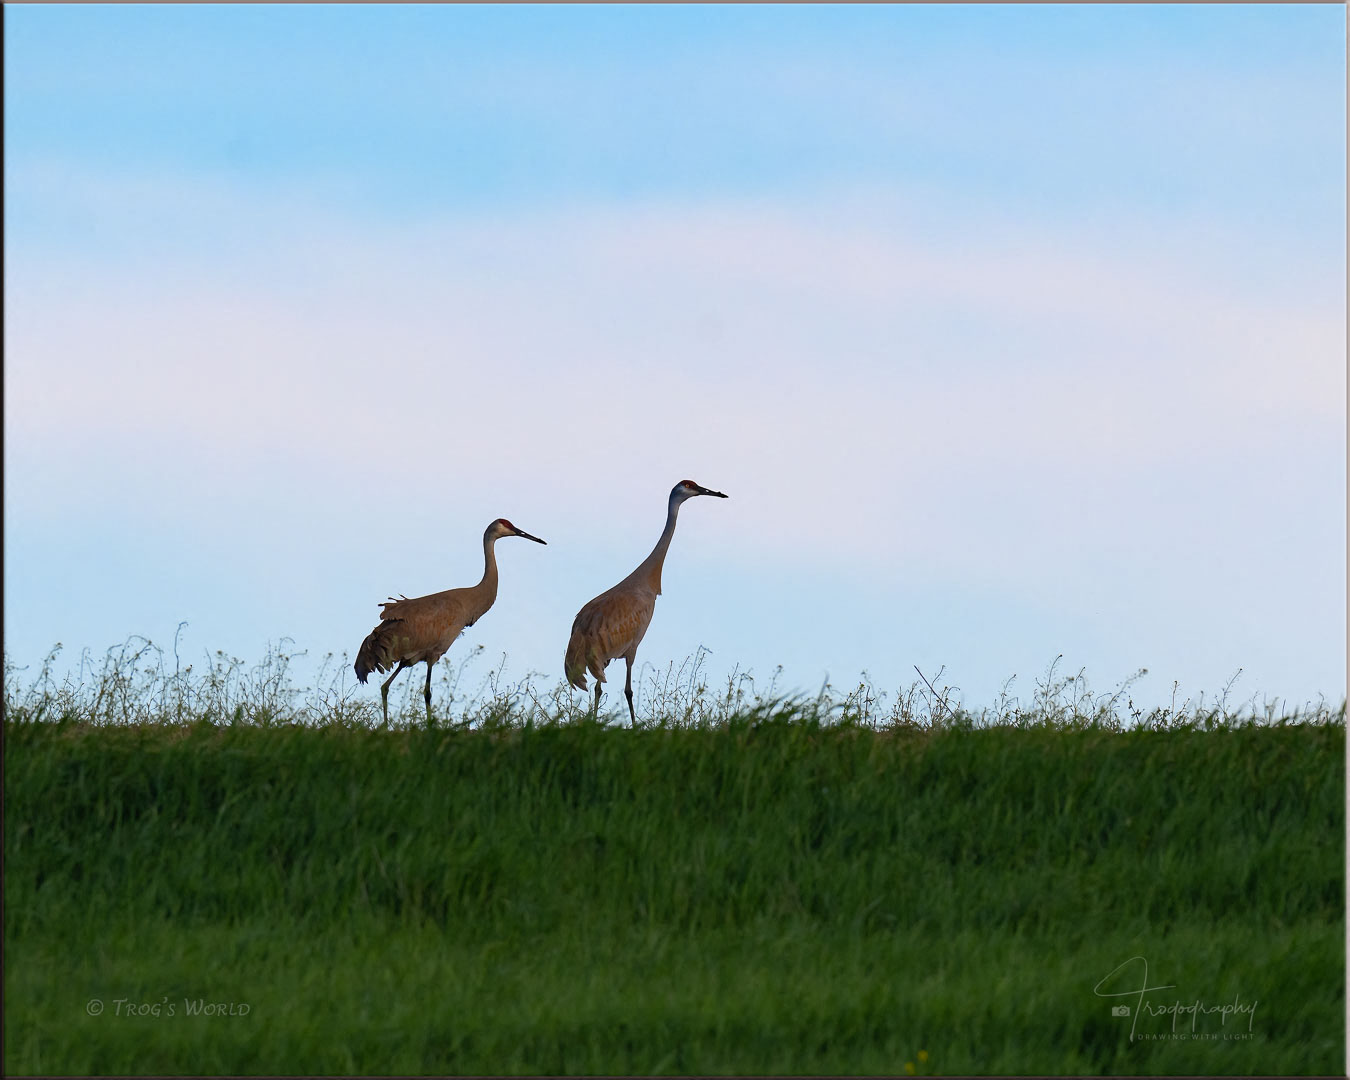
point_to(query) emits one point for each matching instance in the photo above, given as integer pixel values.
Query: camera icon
(1120, 1010)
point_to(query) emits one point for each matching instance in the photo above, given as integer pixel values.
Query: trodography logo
(1191, 1017)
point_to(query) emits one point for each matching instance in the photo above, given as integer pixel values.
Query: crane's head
(501, 527)
(687, 489)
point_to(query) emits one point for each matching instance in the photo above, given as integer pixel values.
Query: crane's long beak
(709, 491)
(522, 532)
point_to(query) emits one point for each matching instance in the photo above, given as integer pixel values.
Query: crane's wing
(437, 606)
(414, 630)
(426, 618)
(613, 623)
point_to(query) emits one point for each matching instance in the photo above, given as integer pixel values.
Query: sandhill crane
(424, 627)
(612, 625)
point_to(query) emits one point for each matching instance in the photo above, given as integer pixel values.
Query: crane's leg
(384, 689)
(628, 690)
(428, 693)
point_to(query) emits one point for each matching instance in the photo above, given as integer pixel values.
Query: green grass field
(769, 893)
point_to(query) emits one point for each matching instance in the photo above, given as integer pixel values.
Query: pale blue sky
(1011, 332)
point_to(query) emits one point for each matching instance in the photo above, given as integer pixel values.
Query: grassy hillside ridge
(775, 893)
(139, 682)
(418, 822)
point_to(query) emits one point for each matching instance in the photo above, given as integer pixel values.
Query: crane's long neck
(649, 572)
(485, 591)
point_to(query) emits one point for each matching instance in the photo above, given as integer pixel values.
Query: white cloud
(1033, 416)
(861, 392)
(313, 318)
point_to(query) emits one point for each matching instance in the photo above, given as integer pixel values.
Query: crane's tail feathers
(377, 652)
(575, 662)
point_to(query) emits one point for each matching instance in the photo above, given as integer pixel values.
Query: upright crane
(612, 625)
(424, 627)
